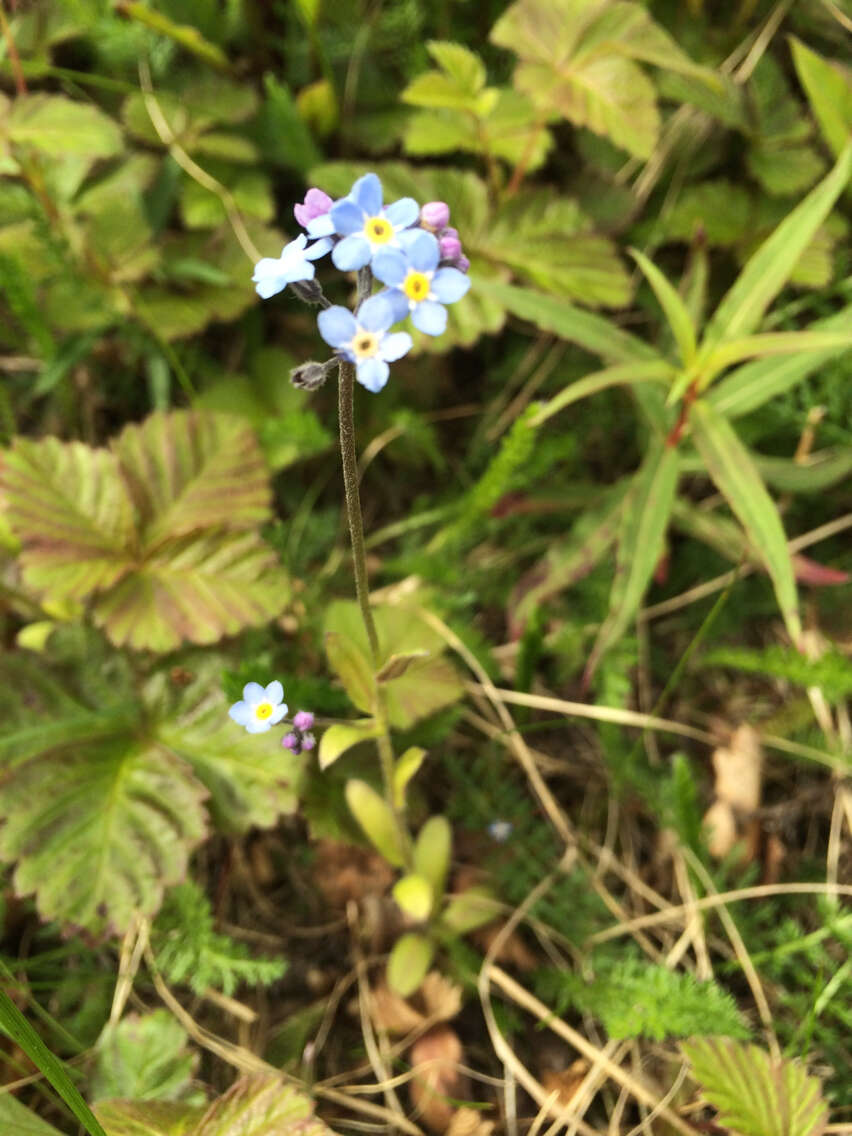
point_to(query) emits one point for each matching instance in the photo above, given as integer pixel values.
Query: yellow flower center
(416, 286)
(378, 230)
(263, 711)
(365, 344)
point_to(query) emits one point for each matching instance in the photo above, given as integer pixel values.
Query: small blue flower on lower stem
(363, 339)
(366, 225)
(272, 275)
(415, 283)
(260, 708)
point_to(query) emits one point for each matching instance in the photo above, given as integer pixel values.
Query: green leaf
(471, 909)
(251, 190)
(415, 896)
(337, 739)
(142, 1058)
(262, 1105)
(644, 520)
(432, 851)
(409, 962)
(819, 471)
(553, 314)
(458, 85)
(398, 664)
(720, 210)
(376, 820)
(577, 59)
(771, 343)
(784, 170)
(196, 589)
(675, 310)
(828, 86)
(70, 509)
(284, 136)
(406, 767)
(190, 470)
(639, 999)
(116, 829)
(769, 269)
(731, 467)
(22, 1033)
(756, 383)
(58, 125)
(754, 1093)
(623, 374)
(17, 1120)
(460, 63)
(148, 1118)
(350, 662)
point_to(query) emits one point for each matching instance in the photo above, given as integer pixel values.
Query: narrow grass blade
(623, 374)
(674, 308)
(734, 472)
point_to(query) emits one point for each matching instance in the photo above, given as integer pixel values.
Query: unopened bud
(308, 291)
(450, 248)
(311, 376)
(434, 215)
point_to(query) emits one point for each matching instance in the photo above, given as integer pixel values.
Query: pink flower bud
(291, 742)
(450, 248)
(434, 215)
(303, 720)
(308, 741)
(316, 204)
(462, 264)
(450, 232)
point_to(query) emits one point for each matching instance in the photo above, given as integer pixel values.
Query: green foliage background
(647, 389)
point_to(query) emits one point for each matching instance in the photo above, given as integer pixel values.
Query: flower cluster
(413, 251)
(262, 707)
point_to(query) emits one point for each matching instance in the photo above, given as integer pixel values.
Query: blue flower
(273, 275)
(261, 707)
(363, 339)
(500, 830)
(416, 284)
(365, 224)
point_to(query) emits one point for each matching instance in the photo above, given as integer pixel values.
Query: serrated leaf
(414, 896)
(376, 820)
(828, 86)
(409, 962)
(251, 780)
(578, 59)
(148, 1118)
(432, 850)
(718, 209)
(768, 270)
(55, 125)
(641, 540)
(754, 384)
(337, 739)
(459, 62)
(68, 506)
(116, 829)
(674, 308)
(754, 1093)
(190, 470)
(732, 469)
(142, 1057)
(195, 589)
(785, 170)
(251, 190)
(262, 1105)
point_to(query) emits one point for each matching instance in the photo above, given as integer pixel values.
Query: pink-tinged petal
(435, 215)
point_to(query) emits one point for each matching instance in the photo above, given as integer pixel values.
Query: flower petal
(423, 252)
(449, 285)
(241, 713)
(337, 326)
(269, 285)
(395, 345)
(295, 247)
(375, 314)
(351, 253)
(274, 692)
(373, 374)
(318, 249)
(322, 226)
(398, 302)
(346, 217)
(258, 726)
(430, 318)
(403, 213)
(253, 693)
(390, 266)
(278, 713)
(367, 192)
